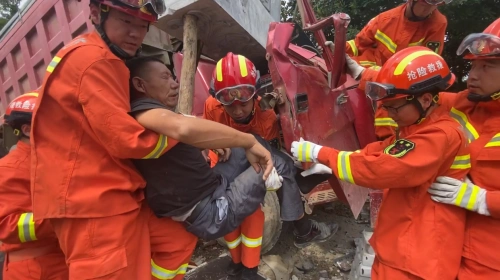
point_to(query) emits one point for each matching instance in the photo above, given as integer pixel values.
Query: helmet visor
(480, 44)
(378, 91)
(156, 6)
(242, 93)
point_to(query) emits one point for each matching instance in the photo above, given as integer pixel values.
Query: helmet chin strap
(474, 97)
(414, 17)
(119, 52)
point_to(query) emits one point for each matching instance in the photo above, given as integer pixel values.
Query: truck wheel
(272, 224)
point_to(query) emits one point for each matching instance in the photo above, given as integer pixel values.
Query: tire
(272, 224)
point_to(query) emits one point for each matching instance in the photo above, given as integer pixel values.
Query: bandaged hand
(463, 194)
(316, 168)
(305, 151)
(274, 181)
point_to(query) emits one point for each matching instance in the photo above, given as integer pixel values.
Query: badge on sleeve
(434, 46)
(399, 148)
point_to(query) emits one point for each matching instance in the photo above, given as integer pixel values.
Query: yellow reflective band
(26, 228)
(461, 162)
(385, 122)
(53, 64)
(494, 142)
(367, 63)
(461, 193)
(161, 145)
(233, 244)
(243, 66)
(375, 67)
(386, 41)
(461, 118)
(405, 61)
(162, 273)
(473, 197)
(344, 167)
(354, 49)
(34, 94)
(218, 70)
(251, 242)
(419, 43)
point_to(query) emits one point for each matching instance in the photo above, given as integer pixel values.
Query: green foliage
(8, 8)
(464, 17)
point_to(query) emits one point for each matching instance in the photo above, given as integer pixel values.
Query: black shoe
(320, 232)
(250, 273)
(234, 271)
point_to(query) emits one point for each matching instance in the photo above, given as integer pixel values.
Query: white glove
(353, 68)
(274, 181)
(462, 194)
(305, 151)
(316, 168)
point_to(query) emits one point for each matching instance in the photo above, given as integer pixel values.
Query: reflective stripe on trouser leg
(252, 229)
(159, 272)
(233, 242)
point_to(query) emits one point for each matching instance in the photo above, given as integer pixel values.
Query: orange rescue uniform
(481, 123)
(415, 237)
(82, 180)
(32, 250)
(391, 31)
(263, 123)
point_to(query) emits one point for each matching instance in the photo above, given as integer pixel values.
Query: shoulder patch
(399, 148)
(433, 45)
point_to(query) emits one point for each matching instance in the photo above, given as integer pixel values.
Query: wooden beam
(188, 71)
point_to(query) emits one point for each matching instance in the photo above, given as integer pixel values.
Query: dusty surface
(316, 261)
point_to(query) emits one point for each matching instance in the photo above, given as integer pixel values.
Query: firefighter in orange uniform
(416, 23)
(235, 103)
(477, 109)
(415, 237)
(83, 137)
(32, 250)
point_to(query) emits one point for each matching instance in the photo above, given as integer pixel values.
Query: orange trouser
(470, 269)
(384, 272)
(171, 248)
(47, 267)
(116, 247)
(245, 242)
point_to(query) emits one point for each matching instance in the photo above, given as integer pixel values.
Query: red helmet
(484, 45)
(410, 72)
(20, 110)
(147, 10)
(234, 78)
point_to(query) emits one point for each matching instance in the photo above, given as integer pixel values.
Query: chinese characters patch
(399, 148)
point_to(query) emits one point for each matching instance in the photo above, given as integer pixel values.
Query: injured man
(181, 185)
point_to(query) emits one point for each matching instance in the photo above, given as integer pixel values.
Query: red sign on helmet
(234, 78)
(21, 108)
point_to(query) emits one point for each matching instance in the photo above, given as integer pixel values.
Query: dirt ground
(315, 262)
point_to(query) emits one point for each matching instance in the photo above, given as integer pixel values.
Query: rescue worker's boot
(234, 271)
(320, 232)
(250, 273)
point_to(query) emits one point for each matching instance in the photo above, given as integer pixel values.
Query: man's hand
(305, 151)
(223, 154)
(317, 168)
(259, 157)
(353, 68)
(463, 194)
